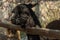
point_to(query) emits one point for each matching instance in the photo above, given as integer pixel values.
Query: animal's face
(20, 14)
(19, 19)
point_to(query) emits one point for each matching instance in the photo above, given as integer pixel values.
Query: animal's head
(20, 14)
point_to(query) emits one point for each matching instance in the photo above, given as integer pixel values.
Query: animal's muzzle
(18, 19)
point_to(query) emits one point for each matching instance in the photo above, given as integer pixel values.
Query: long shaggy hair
(24, 16)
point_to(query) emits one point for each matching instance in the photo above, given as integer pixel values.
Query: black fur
(25, 17)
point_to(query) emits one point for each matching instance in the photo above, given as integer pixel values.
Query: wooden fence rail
(33, 31)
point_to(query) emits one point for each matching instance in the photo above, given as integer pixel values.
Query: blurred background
(46, 11)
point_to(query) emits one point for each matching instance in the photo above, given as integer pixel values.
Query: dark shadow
(54, 25)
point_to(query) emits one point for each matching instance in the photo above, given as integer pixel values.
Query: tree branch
(33, 31)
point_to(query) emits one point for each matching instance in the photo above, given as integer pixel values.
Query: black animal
(54, 25)
(24, 16)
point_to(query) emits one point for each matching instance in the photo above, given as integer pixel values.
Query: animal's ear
(16, 9)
